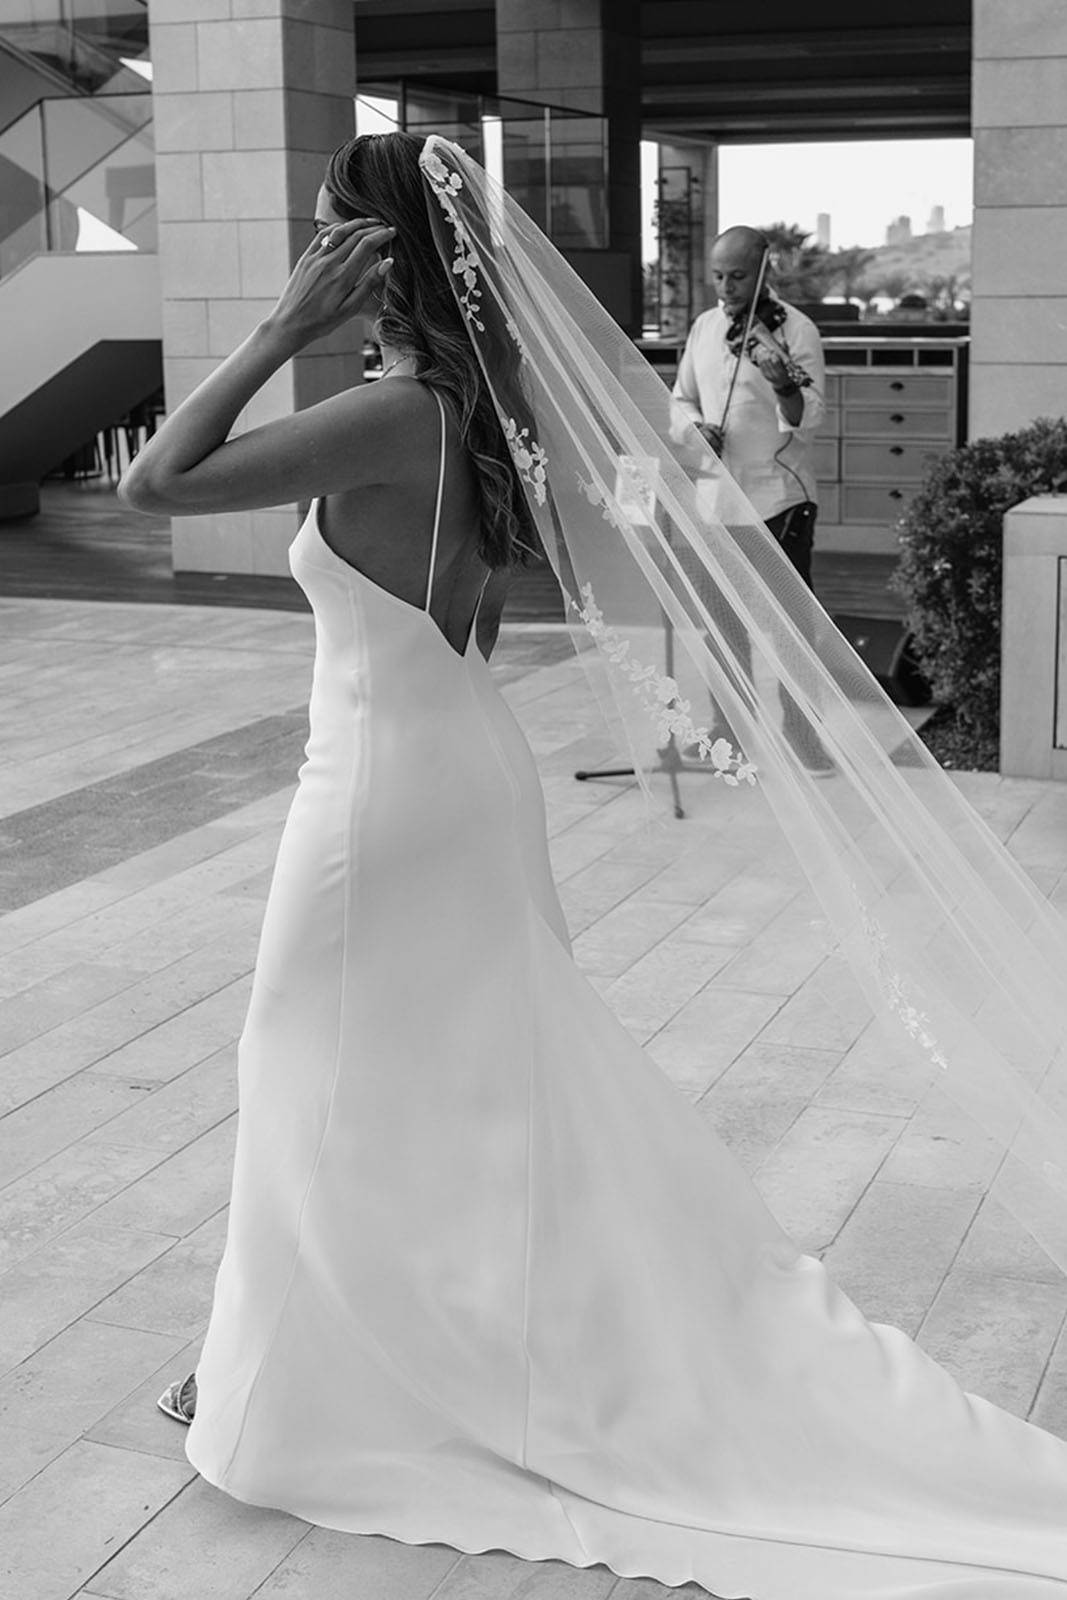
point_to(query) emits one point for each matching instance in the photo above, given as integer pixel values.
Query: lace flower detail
(610, 509)
(662, 698)
(916, 1022)
(439, 175)
(465, 263)
(633, 503)
(530, 460)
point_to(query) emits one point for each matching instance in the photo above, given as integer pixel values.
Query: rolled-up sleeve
(805, 347)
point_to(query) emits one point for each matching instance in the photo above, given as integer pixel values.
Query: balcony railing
(94, 46)
(78, 174)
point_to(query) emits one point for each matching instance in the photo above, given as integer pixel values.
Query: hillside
(929, 255)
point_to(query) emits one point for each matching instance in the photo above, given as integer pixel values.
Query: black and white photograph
(533, 800)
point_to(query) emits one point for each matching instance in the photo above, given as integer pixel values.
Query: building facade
(193, 134)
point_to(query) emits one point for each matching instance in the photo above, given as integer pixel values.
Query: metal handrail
(50, 193)
(68, 23)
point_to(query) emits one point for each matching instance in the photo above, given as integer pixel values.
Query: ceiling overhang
(816, 71)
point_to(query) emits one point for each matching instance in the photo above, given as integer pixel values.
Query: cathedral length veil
(950, 941)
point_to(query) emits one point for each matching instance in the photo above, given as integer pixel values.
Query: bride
(489, 1281)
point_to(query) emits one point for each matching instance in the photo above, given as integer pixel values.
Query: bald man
(766, 440)
(766, 444)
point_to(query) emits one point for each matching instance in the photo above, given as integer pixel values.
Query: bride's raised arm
(358, 437)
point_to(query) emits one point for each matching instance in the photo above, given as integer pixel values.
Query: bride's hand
(332, 280)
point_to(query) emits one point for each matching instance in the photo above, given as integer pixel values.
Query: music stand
(671, 760)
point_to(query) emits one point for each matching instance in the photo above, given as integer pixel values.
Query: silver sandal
(178, 1400)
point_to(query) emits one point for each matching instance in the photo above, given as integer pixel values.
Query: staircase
(81, 349)
(80, 320)
(82, 47)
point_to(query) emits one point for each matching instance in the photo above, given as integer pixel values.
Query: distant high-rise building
(822, 229)
(936, 222)
(898, 231)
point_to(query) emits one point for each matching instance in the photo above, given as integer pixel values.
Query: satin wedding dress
(490, 1281)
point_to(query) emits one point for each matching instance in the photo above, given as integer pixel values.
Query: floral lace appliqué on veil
(892, 984)
(530, 460)
(610, 509)
(662, 698)
(465, 263)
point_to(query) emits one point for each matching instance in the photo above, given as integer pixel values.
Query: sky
(863, 185)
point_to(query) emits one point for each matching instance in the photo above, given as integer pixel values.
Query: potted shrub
(950, 575)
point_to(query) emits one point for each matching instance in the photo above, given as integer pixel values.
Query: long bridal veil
(677, 595)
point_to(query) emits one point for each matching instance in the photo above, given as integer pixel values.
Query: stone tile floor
(147, 764)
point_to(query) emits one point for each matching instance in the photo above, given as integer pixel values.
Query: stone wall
(250, 97)
(1019, 347)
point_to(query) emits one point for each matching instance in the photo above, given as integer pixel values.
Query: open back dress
(490, 1280)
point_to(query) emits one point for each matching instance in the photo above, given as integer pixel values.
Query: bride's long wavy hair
(378, 175)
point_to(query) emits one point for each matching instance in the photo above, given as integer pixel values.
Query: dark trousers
(795, 531)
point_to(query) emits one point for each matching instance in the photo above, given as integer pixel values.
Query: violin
(755, 328)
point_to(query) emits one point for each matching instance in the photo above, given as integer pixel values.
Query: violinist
(760, 403)
(752, 380)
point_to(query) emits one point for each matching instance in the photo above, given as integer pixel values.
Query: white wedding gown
(490, 1280)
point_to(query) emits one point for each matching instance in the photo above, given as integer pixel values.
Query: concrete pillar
(250, 98)
(1019, 316)
(584, 55)
(1033, 640)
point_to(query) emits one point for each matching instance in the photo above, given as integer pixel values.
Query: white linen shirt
(770, 460)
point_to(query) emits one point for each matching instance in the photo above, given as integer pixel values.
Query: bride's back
(385, 530)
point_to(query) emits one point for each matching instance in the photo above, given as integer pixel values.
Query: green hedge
(951, 561)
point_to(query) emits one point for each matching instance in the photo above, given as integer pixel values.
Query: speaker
(887, 648)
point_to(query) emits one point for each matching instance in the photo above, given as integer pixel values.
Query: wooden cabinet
(893, 406)
(878, 461)
(916, 389)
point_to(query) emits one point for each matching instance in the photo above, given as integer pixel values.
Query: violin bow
(747, 334)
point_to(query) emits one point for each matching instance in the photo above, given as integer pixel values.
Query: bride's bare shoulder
(399, 415)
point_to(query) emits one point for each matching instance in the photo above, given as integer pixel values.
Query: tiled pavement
(147, 763)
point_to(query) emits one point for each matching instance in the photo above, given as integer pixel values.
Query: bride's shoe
(178, 1400)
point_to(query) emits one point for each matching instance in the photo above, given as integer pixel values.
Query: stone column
(1019, 315)
(584, 55)
(250, 97)
(1033, 641)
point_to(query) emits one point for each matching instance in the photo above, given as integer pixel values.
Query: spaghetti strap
(437, 508)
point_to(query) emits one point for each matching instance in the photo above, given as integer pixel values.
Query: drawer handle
(896, 494)
(896, 385)
(896, 416)
(896, 449)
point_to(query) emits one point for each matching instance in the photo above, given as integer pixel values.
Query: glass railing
(97, 46)
(553, 161)
(78, 174)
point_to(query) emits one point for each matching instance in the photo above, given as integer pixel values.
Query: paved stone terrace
(147, 763)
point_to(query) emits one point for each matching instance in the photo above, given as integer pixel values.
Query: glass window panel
(78, 173)
(22, 220)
